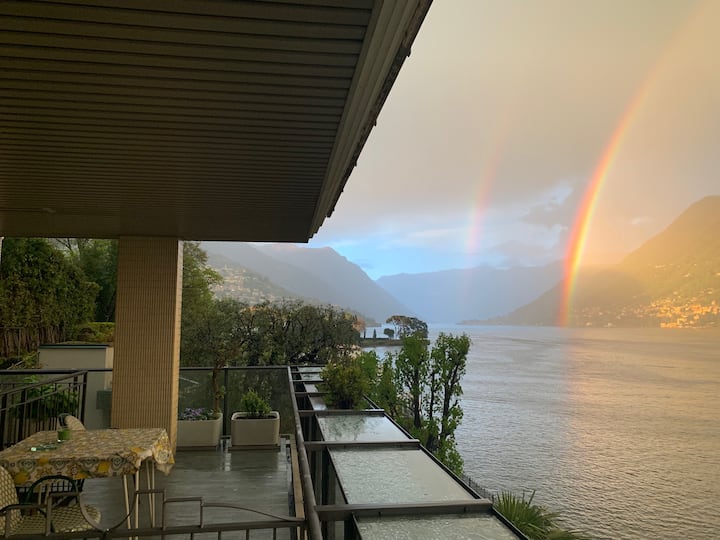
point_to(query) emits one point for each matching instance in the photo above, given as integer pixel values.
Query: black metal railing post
(226, 404)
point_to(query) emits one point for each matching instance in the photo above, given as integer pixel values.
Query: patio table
(92, 454)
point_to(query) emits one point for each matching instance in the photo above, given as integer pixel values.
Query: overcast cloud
(497, 121)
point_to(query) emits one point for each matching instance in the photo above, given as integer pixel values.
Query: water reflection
(613, 427)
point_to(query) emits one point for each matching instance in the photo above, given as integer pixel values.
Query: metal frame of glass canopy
(372, 480)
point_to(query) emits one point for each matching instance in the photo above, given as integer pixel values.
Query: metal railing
(31, 400)
(308, 491)
(193, 507)
(52, 392)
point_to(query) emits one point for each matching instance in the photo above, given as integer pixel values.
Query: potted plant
(255, 425)
(199, 427)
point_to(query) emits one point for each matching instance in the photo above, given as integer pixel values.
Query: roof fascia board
(383, 44)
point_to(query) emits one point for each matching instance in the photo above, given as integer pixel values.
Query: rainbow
(586, 210)
(490, 170)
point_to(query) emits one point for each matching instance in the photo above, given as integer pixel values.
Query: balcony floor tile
(257, 479)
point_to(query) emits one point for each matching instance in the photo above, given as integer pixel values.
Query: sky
(514, 122)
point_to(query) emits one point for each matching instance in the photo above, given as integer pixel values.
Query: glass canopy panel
(359, 427)
(318, 404)
(380, 476)
(461, 526)
(309, 373)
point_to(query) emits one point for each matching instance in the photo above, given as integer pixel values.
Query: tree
(428, 386)
(408, 326)
(389, 332)
(411, 368)
(385, 391)
(42, 296)
(443, 413)
(214, 339)
(198, 279)
(98, 261)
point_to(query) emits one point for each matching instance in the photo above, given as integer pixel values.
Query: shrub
(345, 383)
(253, 404)
(534, 521)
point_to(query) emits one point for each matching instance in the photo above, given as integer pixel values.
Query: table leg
(137, 499)
(127, 500)
(150, 478)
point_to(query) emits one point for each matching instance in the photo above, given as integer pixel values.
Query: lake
(618, 429)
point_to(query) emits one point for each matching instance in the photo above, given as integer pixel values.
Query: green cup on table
(64, 434)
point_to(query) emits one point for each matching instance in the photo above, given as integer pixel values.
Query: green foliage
(408, 326)
(449, 455)
(385, 391)
(98, 261)
(94, 332)
(447, 368)
(253, 404)
(198, 280)
(48, 400)
(265, 334)
(411, 370)
(345, 382)
(534, 521)
(42, 295)
(389, 332)
(422, 392)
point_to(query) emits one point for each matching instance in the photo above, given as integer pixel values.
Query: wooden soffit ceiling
(197, 119)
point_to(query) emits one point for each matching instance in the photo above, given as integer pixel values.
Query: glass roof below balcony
(462, 526)
(382, 476)
(359, 428)
(309, 373)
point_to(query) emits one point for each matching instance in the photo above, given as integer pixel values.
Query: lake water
(617, 429)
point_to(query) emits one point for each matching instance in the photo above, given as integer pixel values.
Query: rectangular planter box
(199, 433)
(255, 432)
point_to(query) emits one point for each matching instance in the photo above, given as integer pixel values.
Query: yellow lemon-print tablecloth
(88, 454)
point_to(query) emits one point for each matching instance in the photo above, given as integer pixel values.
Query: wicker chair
(59, 504)
(63, 506)
(72, 422)
(12, 519)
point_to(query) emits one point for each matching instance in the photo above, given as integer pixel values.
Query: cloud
(497, 122)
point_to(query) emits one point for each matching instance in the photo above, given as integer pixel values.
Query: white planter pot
(251, 432)
(199, 432)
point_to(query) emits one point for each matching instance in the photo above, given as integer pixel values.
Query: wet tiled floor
(258, 479)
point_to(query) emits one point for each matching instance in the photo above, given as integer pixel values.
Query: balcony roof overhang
(195, 119)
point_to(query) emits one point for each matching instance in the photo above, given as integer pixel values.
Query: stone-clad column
(147, 334)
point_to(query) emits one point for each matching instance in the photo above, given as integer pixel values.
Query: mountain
(245, 285)
(314, 274)
(451, 296)
(673, 280)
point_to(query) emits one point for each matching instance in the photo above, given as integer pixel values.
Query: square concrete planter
(255, 432)
(199, 433)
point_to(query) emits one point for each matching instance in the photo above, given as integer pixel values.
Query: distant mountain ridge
(318, 275)
(673, 280)
(451, 296)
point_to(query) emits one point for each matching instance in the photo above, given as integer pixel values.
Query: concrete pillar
(147, 334)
